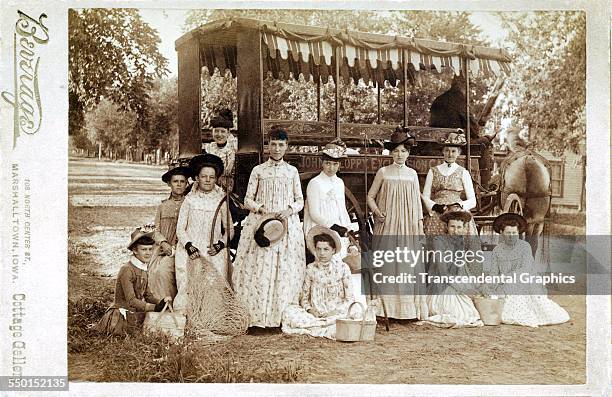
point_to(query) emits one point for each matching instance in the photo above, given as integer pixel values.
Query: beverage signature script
(29, 33)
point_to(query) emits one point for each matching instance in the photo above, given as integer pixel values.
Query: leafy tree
(112, 54)
(547, 89)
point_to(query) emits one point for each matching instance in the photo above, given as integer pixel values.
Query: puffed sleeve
(313, 200)
(181, 224)
(249, 198)
(298, 197)
(470, 201)
(429, 203)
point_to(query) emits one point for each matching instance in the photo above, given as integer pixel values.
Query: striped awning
(293, 50)
(316, 58)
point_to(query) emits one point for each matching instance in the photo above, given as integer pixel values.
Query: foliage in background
(297, 99)
(547, 90)
(113, 54)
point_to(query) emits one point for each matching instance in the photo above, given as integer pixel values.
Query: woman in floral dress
(194, 226)
(394, 198)
(268, 279)
(448, 187)
(528, 304)
(326, 292)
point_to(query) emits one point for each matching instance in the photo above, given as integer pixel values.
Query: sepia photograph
(230, 170)
(305, 198)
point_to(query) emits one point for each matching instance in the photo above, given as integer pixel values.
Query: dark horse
(525, 175)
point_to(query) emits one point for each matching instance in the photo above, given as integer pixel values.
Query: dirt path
(408, 353)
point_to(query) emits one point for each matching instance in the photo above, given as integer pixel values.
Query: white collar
(138, 263)
(325, 176)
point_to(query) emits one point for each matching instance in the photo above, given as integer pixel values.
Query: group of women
(269, 275)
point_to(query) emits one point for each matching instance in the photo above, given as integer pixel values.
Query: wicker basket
(490, 310)
(168, 322)
(348, 330)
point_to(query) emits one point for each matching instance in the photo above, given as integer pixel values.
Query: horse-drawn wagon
(253, 50)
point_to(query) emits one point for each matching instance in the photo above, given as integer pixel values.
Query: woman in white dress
(450, 306)
(325, 205)
(525, 304)
(394, 199)
(194, 225)
(269, 278)
(326, 292)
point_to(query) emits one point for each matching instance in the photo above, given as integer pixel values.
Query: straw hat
(499, 222)
(144, 231)
(454, 139)
(181, 170)
(318, 229)
(335, 150)
(270, 230)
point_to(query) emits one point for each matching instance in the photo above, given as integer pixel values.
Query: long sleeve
(345, 218)
(181, 225)
(417, 193)
(150, 297)
(224, 215)
(127, 280)
(347, 283)
(426, 196)
(313, 198)
(249, 198)
(373, 192)
(305, 295)
(470, 201)
(298, 198)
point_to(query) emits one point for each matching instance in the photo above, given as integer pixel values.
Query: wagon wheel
(356, 213)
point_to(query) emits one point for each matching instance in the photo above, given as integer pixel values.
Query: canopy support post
(189, 86)
(319, 99)
(467, 112)
(249, 82)
(377, 103)
(336, 93)
(405, 95)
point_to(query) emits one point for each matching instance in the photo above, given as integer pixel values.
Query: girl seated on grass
(132, 296)
(327, 290)
(450, 305)
(526, 305)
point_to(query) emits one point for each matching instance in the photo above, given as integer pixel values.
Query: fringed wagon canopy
(290, 50)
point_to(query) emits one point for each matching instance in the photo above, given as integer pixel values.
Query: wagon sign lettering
(29, 33)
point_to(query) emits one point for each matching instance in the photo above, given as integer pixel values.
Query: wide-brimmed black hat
(223, 119)
(181, 170)
(463, 216)
(206, 160)
(502, 220)
(401, 135)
